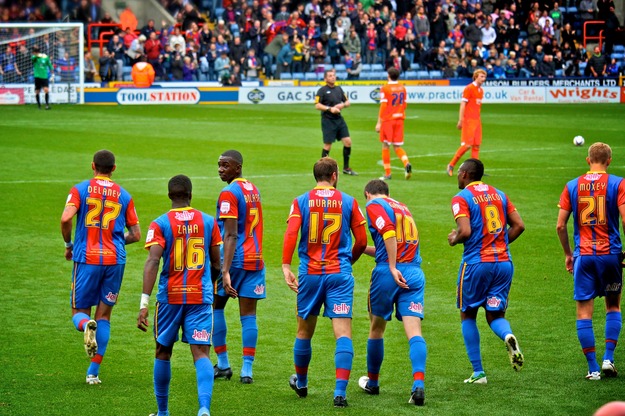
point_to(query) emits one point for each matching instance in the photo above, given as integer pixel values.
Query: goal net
(62, 42)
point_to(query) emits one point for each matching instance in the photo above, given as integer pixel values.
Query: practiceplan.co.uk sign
(141, 96)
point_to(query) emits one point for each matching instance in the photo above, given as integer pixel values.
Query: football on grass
(578, 141)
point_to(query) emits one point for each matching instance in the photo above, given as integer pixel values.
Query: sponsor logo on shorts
(224, 208)
(202, 335)
(259, 289)
(111, 297)
(416, 307)
(493, 302)
(184, 215)
(613, 287)
(341, 309)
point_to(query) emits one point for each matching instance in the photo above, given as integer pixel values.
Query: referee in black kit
(330, 100)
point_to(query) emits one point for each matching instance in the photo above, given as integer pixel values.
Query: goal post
(64, 43)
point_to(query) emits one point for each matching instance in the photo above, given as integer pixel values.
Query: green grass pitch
(528, 153)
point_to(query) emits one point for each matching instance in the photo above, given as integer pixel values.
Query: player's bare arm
(288, 248)
(516, 226)
(390, 244)
(230, 243)
(463, 104)
(150, 272)
(66, 229)
(460, 234)
(563, 235)
(133, 234)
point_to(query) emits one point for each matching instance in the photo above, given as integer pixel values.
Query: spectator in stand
(211, 56)
(255, 38)
(510, 69)
(189, 16)
(612, 25)
(385, 43)
(534, 69)
(23, 56)
(534, 33)
(352, 43)
(334, 49)
(597, 64)
(142, 73)
(284, 59)
(372, 44)
(568, 34)
(283, 15)
(117, 50)
(222, 45)
(438, 25)
(489, 34)
(272, 50)
(193, 53)
(193, 34)
(177, 63)
(153, 51)
(587, 10)
(66, 68)
(614, 70)
(89, 68)
(318, 54)
(297, 61)
(556, 15)
(252, 65)
(148, 29)
(237, 51)
(136, 49)
(128, 36)
(422, 26)
(177, 38)
(473, 33)
(222, 67)
(108, 67)
(205, 39)
(8, 66)
(188, 69)
(222, 29)
(353, 72)
(548, 67)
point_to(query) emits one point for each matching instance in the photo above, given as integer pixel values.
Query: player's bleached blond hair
(478, 72)
(599, 153)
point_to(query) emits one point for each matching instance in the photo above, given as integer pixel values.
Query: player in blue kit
(397, 282)
(240, 218)
(487, 223)
(326, 218)
(187, 240)
(103, 211)
(595, 200)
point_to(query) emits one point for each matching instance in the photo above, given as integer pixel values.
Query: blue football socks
(471, 337)
(375, 356)
(220, 331)
(205, 380)
(162, 377)
(302, 353)
(79, 320)
(102, 336)
(418, 355)
(343, 357)
(586, 337)
(249, 337)
(501, 327)
(613, 326)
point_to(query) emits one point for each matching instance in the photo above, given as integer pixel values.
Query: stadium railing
(100, 41)
(587, 37)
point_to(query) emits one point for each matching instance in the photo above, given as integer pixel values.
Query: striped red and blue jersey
(241, 200)
(487, 209)
(186, 235)
(327, 217)
(390, 218)
(105, 210)
(594, 200)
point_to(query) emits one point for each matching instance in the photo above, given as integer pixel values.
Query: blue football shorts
(247, 283)
(484, 284)
(595, 276)
(334, 291)
(384, 294)
(196, 322)
(93, 283)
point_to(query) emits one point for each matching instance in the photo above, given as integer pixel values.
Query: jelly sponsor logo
(136, 96)
(493, 302)
(200, 335)
(111, 297)
(184, 216)
(342, 309)
(259, 289)
(416, 307)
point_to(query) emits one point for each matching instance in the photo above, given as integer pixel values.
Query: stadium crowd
(261, 39)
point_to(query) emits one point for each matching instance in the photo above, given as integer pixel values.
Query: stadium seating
(410, 75)
(310, 76)
(341, 75)
(377, 67)
(423, 74)
(619, 48)
(286, 75)
(436, 74)
(299, 75)
(415, 66)
(126, 74)
(340, 67)
(366, 67)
